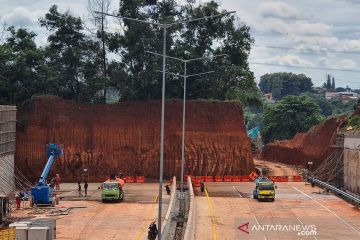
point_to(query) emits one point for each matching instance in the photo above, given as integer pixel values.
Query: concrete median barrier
(166, 224)
(190, 225)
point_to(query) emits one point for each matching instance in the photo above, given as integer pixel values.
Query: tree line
(298, 105)
(84, 65)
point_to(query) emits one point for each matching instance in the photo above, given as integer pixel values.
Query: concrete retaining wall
(352, 163)
(7, 148)
(190, 225)
(352, 140)
(352, 170)
(7, 183)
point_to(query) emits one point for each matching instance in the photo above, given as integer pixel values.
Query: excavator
(42, 192)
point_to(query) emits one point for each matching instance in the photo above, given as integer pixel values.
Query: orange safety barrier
(129, 179)
(218, 178)
(296, 178)
(236, 179)
(197, 183)
(275, 178)
(209, 179)
(284, 178)
(227, 178)
(140, 179)
(197, 178)
(245, 178)
(253, 175)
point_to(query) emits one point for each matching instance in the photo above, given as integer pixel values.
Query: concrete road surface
(128, 219)
(297, 213)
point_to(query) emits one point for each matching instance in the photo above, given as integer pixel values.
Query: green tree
(328, 82)
(333, 84)
(284, 84)
(291, 115)
(22, 69)
(100, 23)
(232, 78)
(66, 52)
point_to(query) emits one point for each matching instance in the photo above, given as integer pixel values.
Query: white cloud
(291, 60)
(278, 10)
(302, 28)
(325, 43)
(21, 16)
(346, 64)
(323, 62)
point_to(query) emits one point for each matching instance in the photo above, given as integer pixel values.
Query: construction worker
(202, 187)
(153, 231)
(79, 189)
(85, 187)
(52, 182)
(18, 201)
(57, 181)
(168, 191)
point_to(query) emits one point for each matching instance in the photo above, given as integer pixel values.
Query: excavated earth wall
(313, 146)
(126, 136)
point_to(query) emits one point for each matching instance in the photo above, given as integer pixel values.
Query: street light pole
(162, 135)
(185, 76)
(164, 26)
(183, 133)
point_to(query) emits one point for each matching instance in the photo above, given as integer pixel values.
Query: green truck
(264, 189)
(112, 190)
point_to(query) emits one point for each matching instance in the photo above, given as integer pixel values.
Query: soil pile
(313, 146)
(126, 136)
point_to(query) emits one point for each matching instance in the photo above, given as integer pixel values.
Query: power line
(305, 51)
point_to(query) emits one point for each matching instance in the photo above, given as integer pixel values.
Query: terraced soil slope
(313, 146)
(126, 136)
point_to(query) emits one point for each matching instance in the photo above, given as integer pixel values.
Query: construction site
(179, 120)
(315, 175)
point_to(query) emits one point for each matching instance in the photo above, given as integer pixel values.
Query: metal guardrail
(352, 197)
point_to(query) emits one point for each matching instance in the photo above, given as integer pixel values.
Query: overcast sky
(314, 37)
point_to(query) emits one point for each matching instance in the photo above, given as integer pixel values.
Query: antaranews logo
(244, 227)
(299, 229)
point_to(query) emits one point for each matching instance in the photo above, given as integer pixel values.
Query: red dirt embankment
(126, 136)
(313, 146)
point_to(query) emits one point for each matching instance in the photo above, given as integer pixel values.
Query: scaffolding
(331, 169)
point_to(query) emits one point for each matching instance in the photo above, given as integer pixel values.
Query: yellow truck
(264, 189)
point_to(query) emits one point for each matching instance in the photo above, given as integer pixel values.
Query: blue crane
(42, 192)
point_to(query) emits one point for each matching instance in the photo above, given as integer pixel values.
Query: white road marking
(235, 189)
(300, 221)
(346, 223)
(282, 203)
(256, 220)
(265, 238)
(315, 238)
(248, 207)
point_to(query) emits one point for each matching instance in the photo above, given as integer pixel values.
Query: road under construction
(225, 210)
(219, 204)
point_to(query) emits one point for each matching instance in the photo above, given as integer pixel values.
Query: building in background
(343, 96)
(7, 148)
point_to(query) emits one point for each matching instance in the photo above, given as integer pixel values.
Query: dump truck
(112, 189)
(264, 189)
